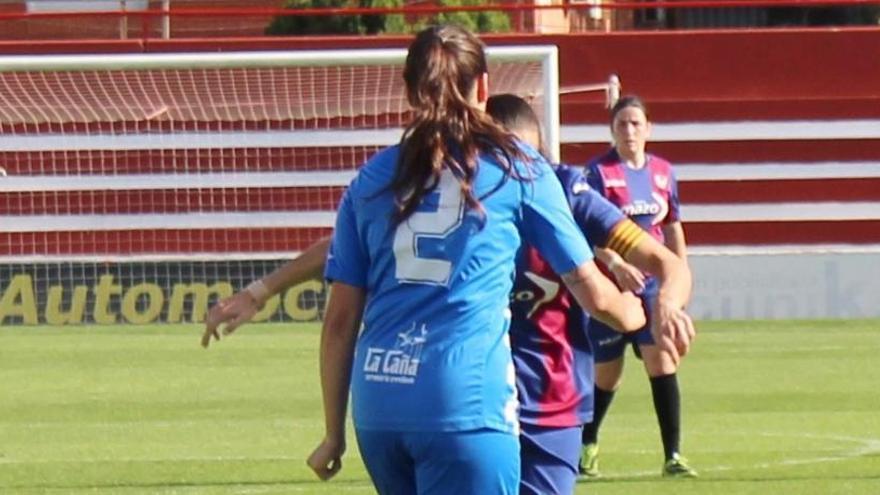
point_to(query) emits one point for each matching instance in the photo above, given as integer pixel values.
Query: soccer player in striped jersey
(551, 350)
(643, 186)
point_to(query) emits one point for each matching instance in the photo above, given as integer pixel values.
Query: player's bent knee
(657, 361)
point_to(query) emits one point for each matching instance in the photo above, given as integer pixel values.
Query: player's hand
(231, 311)
(672, 329)
(628, 277)
(326, 460)
(635, 312)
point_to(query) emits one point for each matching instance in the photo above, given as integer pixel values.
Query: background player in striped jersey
(552, 354)
(643, 186)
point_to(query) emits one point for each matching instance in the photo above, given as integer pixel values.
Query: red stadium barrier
(19, 20)
(707, 76)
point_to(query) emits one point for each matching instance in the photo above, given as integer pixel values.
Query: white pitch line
(867, 447)
(213, 422)
(99, 460)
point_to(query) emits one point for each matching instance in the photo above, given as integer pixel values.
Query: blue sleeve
(347, 260)
(594, 178)
(548, 224)
(594, 214)
(674, 214)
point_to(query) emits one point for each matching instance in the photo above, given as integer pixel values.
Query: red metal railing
(202, 19)
(175, 11)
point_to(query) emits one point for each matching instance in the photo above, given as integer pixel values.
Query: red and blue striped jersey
(551, 352)
(648, 196)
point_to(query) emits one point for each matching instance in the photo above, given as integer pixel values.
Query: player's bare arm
(628, 277)
(674, 239)
(239, 308)
(342, 321)
(672, 327)
(603, 300)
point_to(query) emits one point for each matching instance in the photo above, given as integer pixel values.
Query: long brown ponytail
(447, 131)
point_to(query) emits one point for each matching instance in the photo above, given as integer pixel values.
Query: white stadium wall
(786, 286)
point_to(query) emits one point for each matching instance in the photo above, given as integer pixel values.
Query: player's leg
(388, 463)
(470, 462)
(549, 459)
(608, 348)
(661, 371)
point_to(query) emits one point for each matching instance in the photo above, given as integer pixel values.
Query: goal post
(141, 187)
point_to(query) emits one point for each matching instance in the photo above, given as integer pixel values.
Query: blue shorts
(608, 344)
(466, 462)
(549, 459)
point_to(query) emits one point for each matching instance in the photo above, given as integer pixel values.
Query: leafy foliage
(481, 22)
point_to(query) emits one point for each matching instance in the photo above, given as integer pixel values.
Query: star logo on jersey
(661, 181)
(411, 338)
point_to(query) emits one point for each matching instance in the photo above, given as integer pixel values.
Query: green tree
(314, 24)
(481, 22)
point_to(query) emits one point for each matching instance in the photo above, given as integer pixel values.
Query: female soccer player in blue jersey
(421, 266)
(552, 356)
(643, 186)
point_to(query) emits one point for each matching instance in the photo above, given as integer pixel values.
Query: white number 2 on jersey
(428, 225)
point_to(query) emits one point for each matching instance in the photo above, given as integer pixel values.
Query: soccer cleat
(589, 463)
(677, 467)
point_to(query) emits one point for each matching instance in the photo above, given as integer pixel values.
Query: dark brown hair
(515, 114)
(446, 132)
(626, 102)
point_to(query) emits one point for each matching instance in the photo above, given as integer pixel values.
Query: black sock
(601, 401)
(667, 403)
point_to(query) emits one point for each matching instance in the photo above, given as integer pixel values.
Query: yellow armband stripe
(625, 236)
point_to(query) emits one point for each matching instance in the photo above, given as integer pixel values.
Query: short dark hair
(512, 112)
(626, 102)
(515, 114)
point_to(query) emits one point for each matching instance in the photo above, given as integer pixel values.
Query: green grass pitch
(769, 408)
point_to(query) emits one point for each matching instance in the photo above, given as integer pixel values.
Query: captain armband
(625, 236)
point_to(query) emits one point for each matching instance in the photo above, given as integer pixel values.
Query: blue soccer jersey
(433, 353)
(551, 350)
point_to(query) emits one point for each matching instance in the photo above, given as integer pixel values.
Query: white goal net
(138, 188)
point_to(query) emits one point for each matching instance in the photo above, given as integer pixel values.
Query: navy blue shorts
(549, 459)
(406, 463)
(608, 344)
